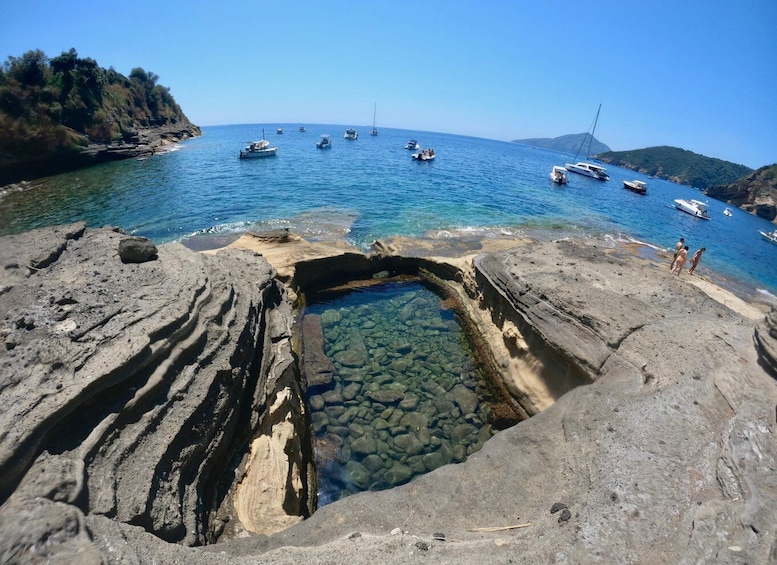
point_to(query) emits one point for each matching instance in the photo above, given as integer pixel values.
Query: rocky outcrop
(755, 193)
(765, 337)
(654, 440)
(141, 392)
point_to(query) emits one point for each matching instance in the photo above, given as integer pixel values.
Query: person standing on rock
(677, 249)
(679, 262)
(695, 259)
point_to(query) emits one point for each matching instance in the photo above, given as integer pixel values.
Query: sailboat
(583, 167)
(374, 131)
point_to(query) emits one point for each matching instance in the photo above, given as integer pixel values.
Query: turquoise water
(405, 398)
(370, 188)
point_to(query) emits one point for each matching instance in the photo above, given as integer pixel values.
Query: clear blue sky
(696, 74)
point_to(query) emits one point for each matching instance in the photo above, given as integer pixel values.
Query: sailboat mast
(593, 132)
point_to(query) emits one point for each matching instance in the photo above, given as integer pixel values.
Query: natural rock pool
(395, 392)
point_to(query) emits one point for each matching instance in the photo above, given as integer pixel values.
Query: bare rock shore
(137, 400)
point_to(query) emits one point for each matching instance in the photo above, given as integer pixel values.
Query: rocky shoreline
(151, 409)
(142, 143)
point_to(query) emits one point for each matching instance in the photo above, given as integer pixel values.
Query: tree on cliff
(54, 107)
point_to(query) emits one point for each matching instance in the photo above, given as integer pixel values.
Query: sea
(370, 188)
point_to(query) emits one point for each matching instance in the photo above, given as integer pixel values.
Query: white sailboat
(584, 167)
(374, 131)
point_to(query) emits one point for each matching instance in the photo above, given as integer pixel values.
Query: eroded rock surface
(131, 390)
(655, 442)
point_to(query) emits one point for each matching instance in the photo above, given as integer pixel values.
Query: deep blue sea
(370, 188)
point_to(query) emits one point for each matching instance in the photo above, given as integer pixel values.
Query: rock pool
(400, 395)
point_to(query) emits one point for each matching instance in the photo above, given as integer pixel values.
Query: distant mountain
(756, 193)
(566, 143)
(677, 165)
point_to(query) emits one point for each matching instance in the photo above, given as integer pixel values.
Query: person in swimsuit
(695, 259)
(677, 249)
(679, 262)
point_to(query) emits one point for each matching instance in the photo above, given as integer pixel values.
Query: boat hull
(260, 154)
(691, 209)
(635, 187)
(588, 171)
(770, 237)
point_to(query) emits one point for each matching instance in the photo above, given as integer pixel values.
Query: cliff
(756, 193)
(136, 395)
(67, 112)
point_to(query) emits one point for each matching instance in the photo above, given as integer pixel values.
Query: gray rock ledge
(655, 424)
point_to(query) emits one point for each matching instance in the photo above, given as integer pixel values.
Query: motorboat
(638, 186)
(412, 145)
(259, 148)
(424, 155)
(325, 142)
(279, 131)
(727, 211)
(769, 236)
(302, 129)
(588, 170)
(351, 134)
(558, 175)
(695, 208)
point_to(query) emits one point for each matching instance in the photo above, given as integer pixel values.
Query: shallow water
(405, 397)
(370, 189)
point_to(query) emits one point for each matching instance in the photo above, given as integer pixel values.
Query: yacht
(769, 236)
(588, 170)
(412, 145)
(695, 208)
(351, 134)
(638, 186)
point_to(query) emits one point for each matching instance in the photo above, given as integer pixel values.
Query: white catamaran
(584, 167)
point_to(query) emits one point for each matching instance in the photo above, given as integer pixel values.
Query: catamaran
(584, 167)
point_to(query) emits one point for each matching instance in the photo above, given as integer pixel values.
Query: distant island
(67, 112)
(566, 143)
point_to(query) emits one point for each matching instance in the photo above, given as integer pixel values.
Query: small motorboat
(302, 129)
(727, 211)
(638, 186)
(558, 175)
(325, 143)
(259, 148)
(351, 134)
(695, 208)
(769, 236)
(424, 155)
(412, 145)
(279, 131)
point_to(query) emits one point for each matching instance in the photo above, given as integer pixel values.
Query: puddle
(395, 392)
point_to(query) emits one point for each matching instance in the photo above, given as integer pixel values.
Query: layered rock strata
(654, 441)
(142, 393)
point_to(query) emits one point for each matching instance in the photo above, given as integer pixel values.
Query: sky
(696, 74)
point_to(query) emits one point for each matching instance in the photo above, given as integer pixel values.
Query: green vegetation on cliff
(756, 193)
(678, 165)
(52, 108)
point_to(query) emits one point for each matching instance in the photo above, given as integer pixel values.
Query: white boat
(588, 170)
(259, 148)
(325, 142)
(769, 236)
(638, 186)
(374, 131)
(351, 134)
(727, 211)
(412, 145)
(695, 208)
(424, 155)
(279, 131)
(584, 167)
(558, 175)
